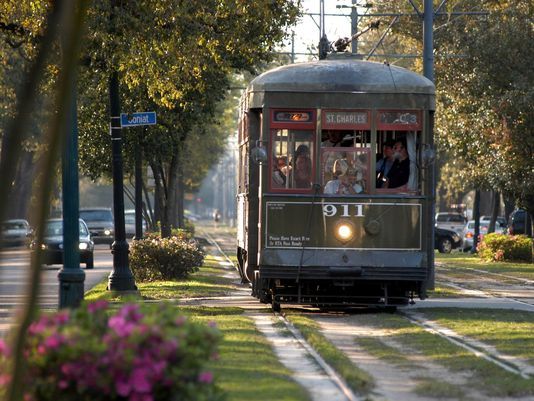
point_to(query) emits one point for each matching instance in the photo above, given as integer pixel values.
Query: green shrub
(181, 234)
(155, 258)
(501, 247)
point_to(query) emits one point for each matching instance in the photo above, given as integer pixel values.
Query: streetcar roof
(347, 75)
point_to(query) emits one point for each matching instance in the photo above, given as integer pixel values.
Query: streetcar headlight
(344, 232)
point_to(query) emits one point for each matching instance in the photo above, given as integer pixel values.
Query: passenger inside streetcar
(349, 183)
(333, 138)
(384, 164)
(399, 172)
(278, 176)
(348, 174)
(302, 171)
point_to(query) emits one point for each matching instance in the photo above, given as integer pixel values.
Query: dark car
(15, 232)
(446, 240)
(100, 223)
(52, 245)
(519, 222)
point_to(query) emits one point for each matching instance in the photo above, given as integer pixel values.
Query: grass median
(463, 261)
(357, 379)
(411, 342)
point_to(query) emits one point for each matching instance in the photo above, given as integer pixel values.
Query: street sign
(138, 119)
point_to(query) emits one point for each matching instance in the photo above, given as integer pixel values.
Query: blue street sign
(137, 119)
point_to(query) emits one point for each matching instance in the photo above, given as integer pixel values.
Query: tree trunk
(495, 206)
(169, 213)
(180, 197)
(476, 217)
(22, 188)
(148, 211)
(509, 206)
(159, 192)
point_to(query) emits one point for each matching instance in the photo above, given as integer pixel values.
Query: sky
(307, 32)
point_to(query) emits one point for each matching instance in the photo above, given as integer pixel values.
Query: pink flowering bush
(134, 353)
(500, 248)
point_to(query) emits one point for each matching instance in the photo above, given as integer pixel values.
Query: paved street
(14, 265)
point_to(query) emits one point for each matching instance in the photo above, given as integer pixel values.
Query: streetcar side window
(396, 162)
(292, 161)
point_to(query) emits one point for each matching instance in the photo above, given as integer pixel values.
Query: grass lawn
(483, 375)
(461, 261)
(247, 368)
(511, 332)
(357, 379)
(207, 282)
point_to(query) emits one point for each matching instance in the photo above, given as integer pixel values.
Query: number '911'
(343, 210)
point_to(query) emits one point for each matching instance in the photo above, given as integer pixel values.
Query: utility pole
(354, 26)
(428, 40)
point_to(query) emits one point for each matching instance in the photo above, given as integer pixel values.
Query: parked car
(500, 220)
(129, 223)
(451, 221)
(520, 223)
(15, 232)
(469, 233)
(100, 223)
(52, 245)
(446, 240)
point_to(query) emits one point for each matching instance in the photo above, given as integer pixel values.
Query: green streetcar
(336, 185)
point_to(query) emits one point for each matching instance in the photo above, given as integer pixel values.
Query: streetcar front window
(292, 164)
(345, 171)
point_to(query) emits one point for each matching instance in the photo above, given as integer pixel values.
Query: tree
(488, 119)
(172, 56)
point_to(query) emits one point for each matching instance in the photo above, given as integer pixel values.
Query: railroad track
(322, 381)
(487, 285)
(476, 348)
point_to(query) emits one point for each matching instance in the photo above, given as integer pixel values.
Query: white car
(15, 232)
(451, 221)
(469, 232)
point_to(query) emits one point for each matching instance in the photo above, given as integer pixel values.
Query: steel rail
(334, 377)
(478, 350)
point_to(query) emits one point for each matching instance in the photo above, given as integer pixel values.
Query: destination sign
(292, 116)
(399, 120)
(347, 119)
(303, 119)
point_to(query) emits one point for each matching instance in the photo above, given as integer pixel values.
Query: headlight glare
(83, 245)
(344, 232)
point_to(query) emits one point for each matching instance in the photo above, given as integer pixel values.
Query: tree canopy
(173, 57)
